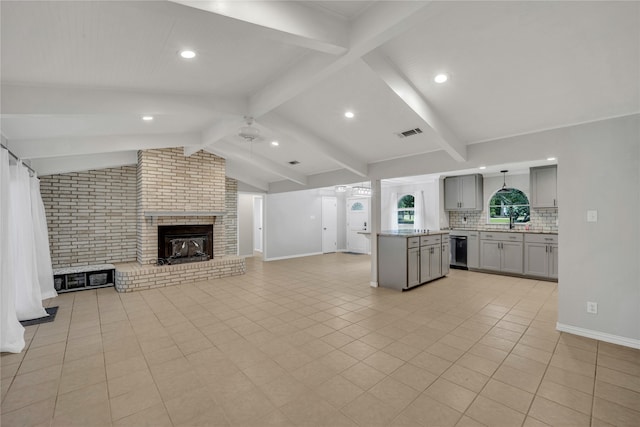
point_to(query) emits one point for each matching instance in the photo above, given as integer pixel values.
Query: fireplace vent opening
(178, 244)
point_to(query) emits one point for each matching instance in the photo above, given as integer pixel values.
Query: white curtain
(419, 210)
(393, 211)
(41, 241)
(21, 235)
(11, 331)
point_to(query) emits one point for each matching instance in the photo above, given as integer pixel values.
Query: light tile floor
(308, 342)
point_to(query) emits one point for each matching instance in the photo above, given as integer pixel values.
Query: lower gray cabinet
(490, 255)
(541, 255)
(473, 249)
(500, 251)
(430, 262)
(413, 267)
(445, 261)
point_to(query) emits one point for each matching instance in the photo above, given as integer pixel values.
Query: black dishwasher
(458, 246)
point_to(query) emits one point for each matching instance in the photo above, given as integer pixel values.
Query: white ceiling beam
(300, 134)
(387, 71)
(83, 163)
(32, 100)
(287, 22)
(378, 24)
(227, 150)
(215, 133)
(59, 147)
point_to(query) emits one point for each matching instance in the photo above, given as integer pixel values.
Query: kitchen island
(409, 258)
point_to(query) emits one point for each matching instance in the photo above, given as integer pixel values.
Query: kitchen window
(508, 202)
(406, 210)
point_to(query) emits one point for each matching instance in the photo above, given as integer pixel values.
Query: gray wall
(245, 224)
(600, 170)
(293, 224)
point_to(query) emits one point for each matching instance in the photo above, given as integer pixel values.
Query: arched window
(508, 202)
(406, 210)
(357, 206)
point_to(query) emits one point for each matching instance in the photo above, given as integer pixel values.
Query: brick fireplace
(174, 190)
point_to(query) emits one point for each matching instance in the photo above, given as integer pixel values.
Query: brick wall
(231, 218)
(91, 216)
(169, 181)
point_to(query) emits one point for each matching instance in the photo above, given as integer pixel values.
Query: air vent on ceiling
(409, 132)
(294, 162)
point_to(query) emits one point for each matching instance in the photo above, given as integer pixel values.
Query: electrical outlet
(592, 307)
(592, 216)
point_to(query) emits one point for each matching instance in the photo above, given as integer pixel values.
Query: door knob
(324, 228)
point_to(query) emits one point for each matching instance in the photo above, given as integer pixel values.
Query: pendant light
(504, 188)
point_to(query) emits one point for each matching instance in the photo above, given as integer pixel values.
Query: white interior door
(257, 223)
(357, 221)
(329, 224)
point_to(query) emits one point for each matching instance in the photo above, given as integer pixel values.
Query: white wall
(491, 184)
(245, 224)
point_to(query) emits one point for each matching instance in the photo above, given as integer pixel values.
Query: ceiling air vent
(409, 132)
(294, 162)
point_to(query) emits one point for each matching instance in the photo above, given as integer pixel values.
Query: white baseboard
(597, 335)
(373, 284)
(292, 256)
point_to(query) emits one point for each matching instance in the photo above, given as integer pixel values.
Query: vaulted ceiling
(77, 77)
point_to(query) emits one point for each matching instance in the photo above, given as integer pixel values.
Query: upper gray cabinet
(544, 188)
(463, 193)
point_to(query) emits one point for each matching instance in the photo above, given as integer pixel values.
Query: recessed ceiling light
(551, 159)
(349, 115)
(441, 78)
(147, 118)
(482, 167)
(275, 143)
(187, 54)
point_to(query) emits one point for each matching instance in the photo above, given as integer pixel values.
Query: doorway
(357, 223)
(257, 223)
(329, 224)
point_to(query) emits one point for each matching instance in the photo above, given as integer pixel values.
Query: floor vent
(409, 132)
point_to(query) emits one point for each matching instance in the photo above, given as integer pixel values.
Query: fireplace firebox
(179, 244)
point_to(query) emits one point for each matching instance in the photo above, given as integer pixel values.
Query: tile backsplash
(542, 220)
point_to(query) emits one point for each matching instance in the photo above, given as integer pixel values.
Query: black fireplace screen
(184, 243)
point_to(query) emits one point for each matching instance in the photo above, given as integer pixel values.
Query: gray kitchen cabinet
(405, 261)
(463, 192)
(446, 257)
(500, 251)
(544, 187)
(430, 258)
(512, 257)
(490, 255)
(473, 249)
(541, 255)
(413, 267)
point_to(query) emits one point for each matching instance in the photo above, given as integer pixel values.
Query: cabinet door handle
(554, 202)
(551, 249)
(546, 249)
